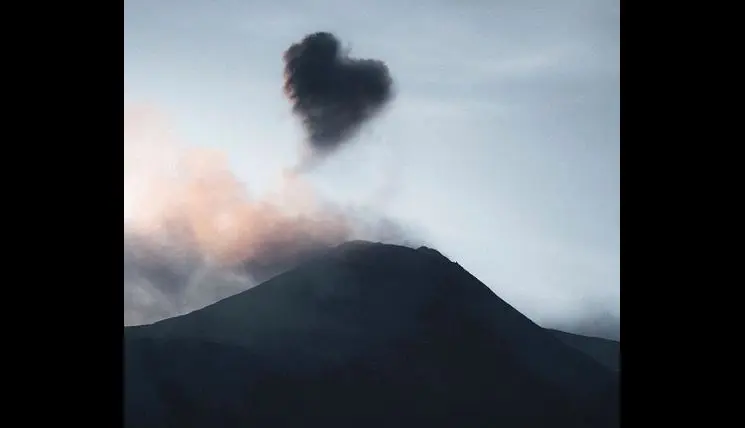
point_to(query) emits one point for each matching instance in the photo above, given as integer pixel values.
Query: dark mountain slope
(605, 351)
(366, 335)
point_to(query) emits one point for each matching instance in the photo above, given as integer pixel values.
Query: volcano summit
(367, 335)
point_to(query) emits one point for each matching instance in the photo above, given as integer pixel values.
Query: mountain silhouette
(367, 335)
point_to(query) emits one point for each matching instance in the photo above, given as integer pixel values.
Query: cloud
(194, 234)
(332, 93)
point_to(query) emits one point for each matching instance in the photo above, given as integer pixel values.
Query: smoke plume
(195, 234)
(332, 93)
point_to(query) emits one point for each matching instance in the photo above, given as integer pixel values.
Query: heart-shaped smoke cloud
(333, 94)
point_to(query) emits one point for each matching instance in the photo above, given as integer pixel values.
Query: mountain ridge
(392, 321)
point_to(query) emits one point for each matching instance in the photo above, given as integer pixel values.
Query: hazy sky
(503, 141)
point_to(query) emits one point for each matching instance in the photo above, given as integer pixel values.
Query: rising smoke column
(195, 235)
(332, 93)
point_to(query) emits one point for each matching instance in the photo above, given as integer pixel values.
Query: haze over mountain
(367, 335)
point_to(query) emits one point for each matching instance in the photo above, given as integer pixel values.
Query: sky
(502, 147)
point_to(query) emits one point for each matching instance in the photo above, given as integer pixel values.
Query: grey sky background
(502, 147)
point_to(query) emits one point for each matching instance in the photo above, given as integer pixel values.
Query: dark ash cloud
(332, 93)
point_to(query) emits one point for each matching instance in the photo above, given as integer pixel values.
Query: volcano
(367, 335)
